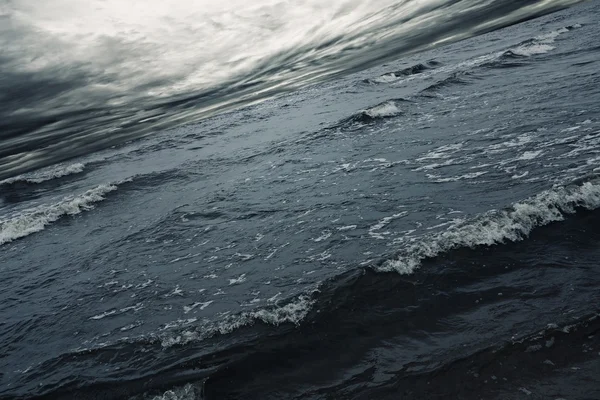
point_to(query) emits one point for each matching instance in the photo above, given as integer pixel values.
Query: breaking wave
(36, 219)
(380, 112)
(46, 174)
(495, 227)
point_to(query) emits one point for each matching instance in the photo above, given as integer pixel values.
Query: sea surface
(300, 200)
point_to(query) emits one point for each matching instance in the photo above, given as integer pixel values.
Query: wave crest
(495, 227)
(36, 219)
(46, 174)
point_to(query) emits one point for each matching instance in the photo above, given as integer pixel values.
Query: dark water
(425, 228)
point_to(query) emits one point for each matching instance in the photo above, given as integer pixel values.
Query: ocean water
(308, 200)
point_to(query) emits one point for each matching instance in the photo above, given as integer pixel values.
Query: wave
(383, 110)
(46, 174)
(459, 74)
(511, 57)
(488, 229)
(539, 45)
(403, 73)
(294, 312)
(36, 219)
(495, 227)
(379, 112)
(436, 311)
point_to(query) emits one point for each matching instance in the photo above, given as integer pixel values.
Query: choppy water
(421, 228)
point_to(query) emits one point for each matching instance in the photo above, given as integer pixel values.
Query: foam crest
(375, 114)
(539, 45)
(46, 174)
(187, 392)
(36, 219)
(385, 110)
(293, 312)
(495, 227)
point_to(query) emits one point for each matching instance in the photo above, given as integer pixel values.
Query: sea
(276, 199)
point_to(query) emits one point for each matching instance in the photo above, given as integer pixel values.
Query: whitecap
(238, 280)
(46, 174)
(532, 49)
(293, 312)
(384, 110)
(36, 219)
(104, 315)
(187, 392)
(442, 152)
(529, 155)
(324, 236)
(495, 227)
(471, 175)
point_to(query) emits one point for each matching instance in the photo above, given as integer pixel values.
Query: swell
(260, 353)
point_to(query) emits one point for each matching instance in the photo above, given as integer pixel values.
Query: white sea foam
(387, 109)
(324, 236)
(519, 176)
(540, 44)
(490, 228)
(104, 315)
(46, 174)
(293, 312)
(238, 280)
(532, 49)
(529, 155)
(374, 230)
(114, 311)
(187, 392)
(36, 219)
(386, 78)
(471, 175)
(200, 305)
(444, 151)
(518, 141)
(499, 226)
(429, 167)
